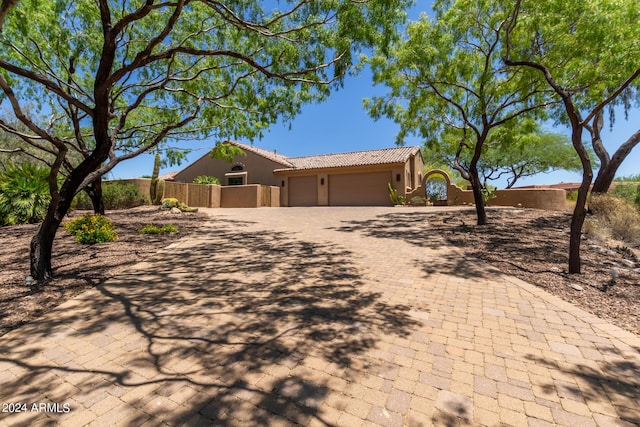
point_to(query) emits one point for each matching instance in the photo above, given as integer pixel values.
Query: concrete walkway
(318, 316)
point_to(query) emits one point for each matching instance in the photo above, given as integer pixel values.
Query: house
(358, 178)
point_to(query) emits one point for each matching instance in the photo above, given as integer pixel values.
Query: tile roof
(356, 158)
(278, 158)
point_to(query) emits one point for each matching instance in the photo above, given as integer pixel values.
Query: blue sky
(341, 124)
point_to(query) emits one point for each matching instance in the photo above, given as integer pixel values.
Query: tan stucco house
(345, 179)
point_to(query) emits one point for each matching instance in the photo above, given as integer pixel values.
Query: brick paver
(318, 316)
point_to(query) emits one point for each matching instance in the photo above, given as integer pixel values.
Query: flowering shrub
(158, 229)
(90, 229)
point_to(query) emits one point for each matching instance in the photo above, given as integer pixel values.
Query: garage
(360, 189)
(303, 190)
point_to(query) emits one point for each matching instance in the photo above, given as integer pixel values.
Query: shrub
(158, 229)
(204, 179)
(628, 192)
(617, 217)
(90, 229)
(396, 198)
(171, 202)
(419, 201)
(572, 196)
(115, 195)
(24, 194)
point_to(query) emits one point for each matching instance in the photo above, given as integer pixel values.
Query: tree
(587, 52)
(448, 84)
(527, 151)
(118, 79)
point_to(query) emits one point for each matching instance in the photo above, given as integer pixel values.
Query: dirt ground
(529, 244)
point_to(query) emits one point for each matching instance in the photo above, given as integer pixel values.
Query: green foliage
(91, 229)
(418, 201)
(171, 202)
(488, 193)
(24, 194)
(115, 195)
(629, 178)
(396, 199)
(615, 217)
(629, 192)
(226, 151)
(436, 188)
(572, 195)
(158, 229)
(204, 179)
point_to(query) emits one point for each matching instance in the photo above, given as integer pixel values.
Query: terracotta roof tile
(356, 158)
(278, 158)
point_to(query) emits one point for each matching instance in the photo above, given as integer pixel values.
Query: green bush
(628, 192)
(158, 229)
(419, 201)
(171, 202)
(115, 195)
(204, 179)
(396, 198)
(572, 195)
(24, 194)
(90, 229)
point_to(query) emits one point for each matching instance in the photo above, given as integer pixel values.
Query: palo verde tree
(448, 82)
(120, 78)
(587, 52)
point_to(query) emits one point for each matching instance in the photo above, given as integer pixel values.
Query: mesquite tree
(448, 83)
(119, 78)
(588, 54)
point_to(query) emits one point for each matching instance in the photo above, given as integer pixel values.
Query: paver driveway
(318, 316)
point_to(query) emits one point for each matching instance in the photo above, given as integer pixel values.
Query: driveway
(318, 316)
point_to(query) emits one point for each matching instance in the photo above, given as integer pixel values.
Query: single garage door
(303, 190)
(362, 189)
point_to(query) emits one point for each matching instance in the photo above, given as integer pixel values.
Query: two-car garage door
(360, 189)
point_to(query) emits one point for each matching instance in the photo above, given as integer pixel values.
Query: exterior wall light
(321, 181)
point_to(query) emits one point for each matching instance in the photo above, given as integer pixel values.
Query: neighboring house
(344, 179)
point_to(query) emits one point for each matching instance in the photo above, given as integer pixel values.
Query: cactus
(153, 189)
(159, 192)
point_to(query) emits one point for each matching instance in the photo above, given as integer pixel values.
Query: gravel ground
(78, 267)
(529, 244)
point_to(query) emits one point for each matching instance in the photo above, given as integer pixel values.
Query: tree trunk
(42, 243)
(94, 190)
(608, 172)
(577, 221)
(580, 212)
(476, 187)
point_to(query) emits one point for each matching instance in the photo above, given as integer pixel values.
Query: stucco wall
(536, 198)
(259, 169)
(240, 196)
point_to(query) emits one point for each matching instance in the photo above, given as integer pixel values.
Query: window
(235, 180)
(237, 168)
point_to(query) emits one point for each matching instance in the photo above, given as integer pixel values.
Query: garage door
(364, 189)
(303, 190)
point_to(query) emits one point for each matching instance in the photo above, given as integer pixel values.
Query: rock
(577, 287)
(176, 211)
(628, 263)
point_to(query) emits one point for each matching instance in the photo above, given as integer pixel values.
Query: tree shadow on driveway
(237, 327)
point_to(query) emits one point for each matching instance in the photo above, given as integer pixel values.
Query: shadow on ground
(240, 327)
(615, 381)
